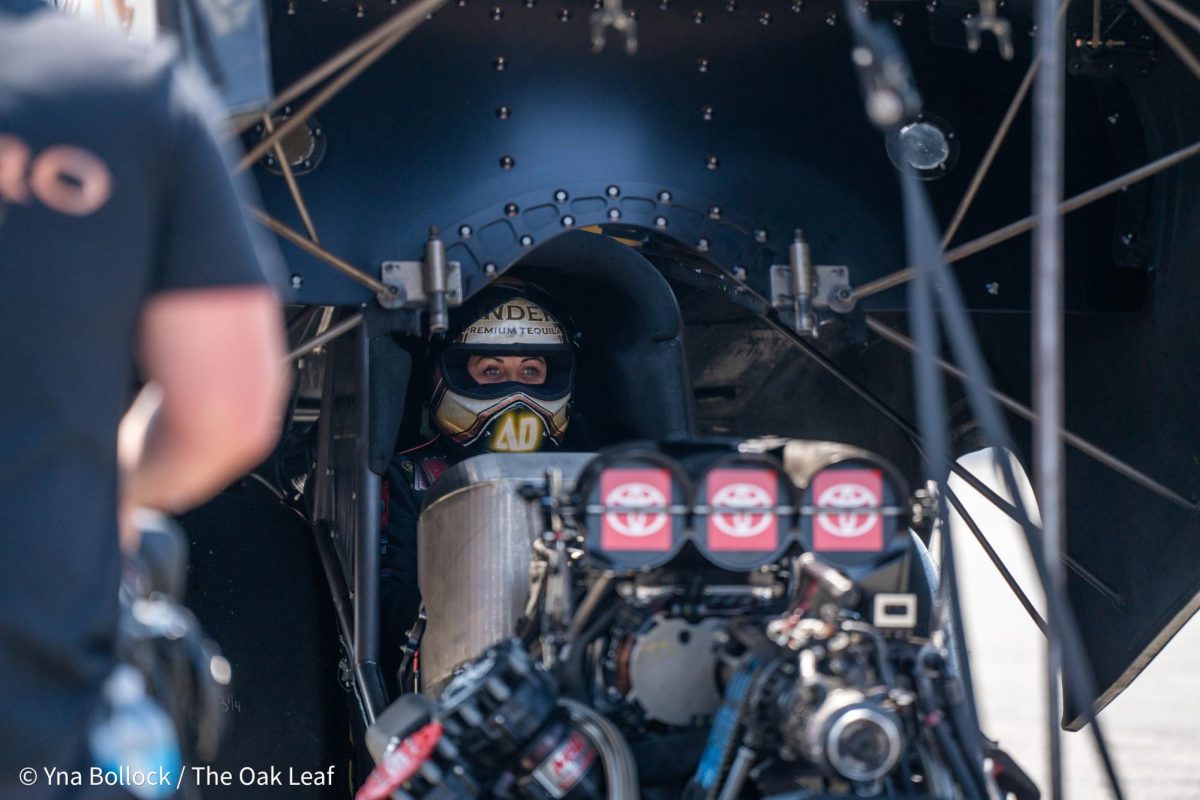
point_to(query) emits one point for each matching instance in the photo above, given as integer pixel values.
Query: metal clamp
(616, 17)
(435, 284)
(829, 288)
(988, 20)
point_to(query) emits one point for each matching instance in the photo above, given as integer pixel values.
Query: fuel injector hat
(510, 318)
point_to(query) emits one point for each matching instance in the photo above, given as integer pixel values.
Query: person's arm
(214, 358)
(211, 330)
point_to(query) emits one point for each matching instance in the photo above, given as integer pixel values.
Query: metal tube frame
(911, 433)
(1027, 224)
(321, 339)
(994, 557)
(316, 251)
(405, 23)
(289, 176)
(985, 163)
(366, 545)
(1078, 442)
(1049, 458)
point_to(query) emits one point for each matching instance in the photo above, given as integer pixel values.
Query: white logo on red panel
(637, 523)
(847, 524)
(741, 517)
(741, 524)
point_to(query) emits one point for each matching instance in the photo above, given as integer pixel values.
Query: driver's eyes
(531, 372)
(491, 372)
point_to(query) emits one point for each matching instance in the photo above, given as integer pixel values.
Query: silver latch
(988, 20)
(799, 288)
(613, 15)
(434, 284)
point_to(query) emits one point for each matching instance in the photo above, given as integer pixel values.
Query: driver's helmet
(503, 376)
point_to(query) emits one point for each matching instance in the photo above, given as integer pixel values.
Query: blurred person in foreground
(123, 249)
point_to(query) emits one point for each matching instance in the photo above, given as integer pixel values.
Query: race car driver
(502, 382)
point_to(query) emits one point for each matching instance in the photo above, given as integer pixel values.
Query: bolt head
(698, 17)
(511, 209)
(614, 214)
(526, 241)
(567, 221)
(797, 6)
(500, 62)
(497, 13)
(612, 190)
(760, 236)
(464, 231)
(489, 269)
(702, 245)
(714, 212)
(660, 222)
(764, 18)
(564, 15)
(561, 196)
(507, 162)
(702, 64)
(712, 162)
(297, 281)
(738, 273)
(707, 113)
(831, 18)
(664, 196)
(503, 112)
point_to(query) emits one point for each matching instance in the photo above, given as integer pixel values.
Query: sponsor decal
(636, 517)
(516, 321)
(840, 523)
(401, 763)
(737, 520)
(517, 432)
(566, 766)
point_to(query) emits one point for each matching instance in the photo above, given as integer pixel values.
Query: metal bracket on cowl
(799, 290)
(614, 16)
(434, 284)
(988, 20)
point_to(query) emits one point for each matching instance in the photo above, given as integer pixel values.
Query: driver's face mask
(504, 384)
